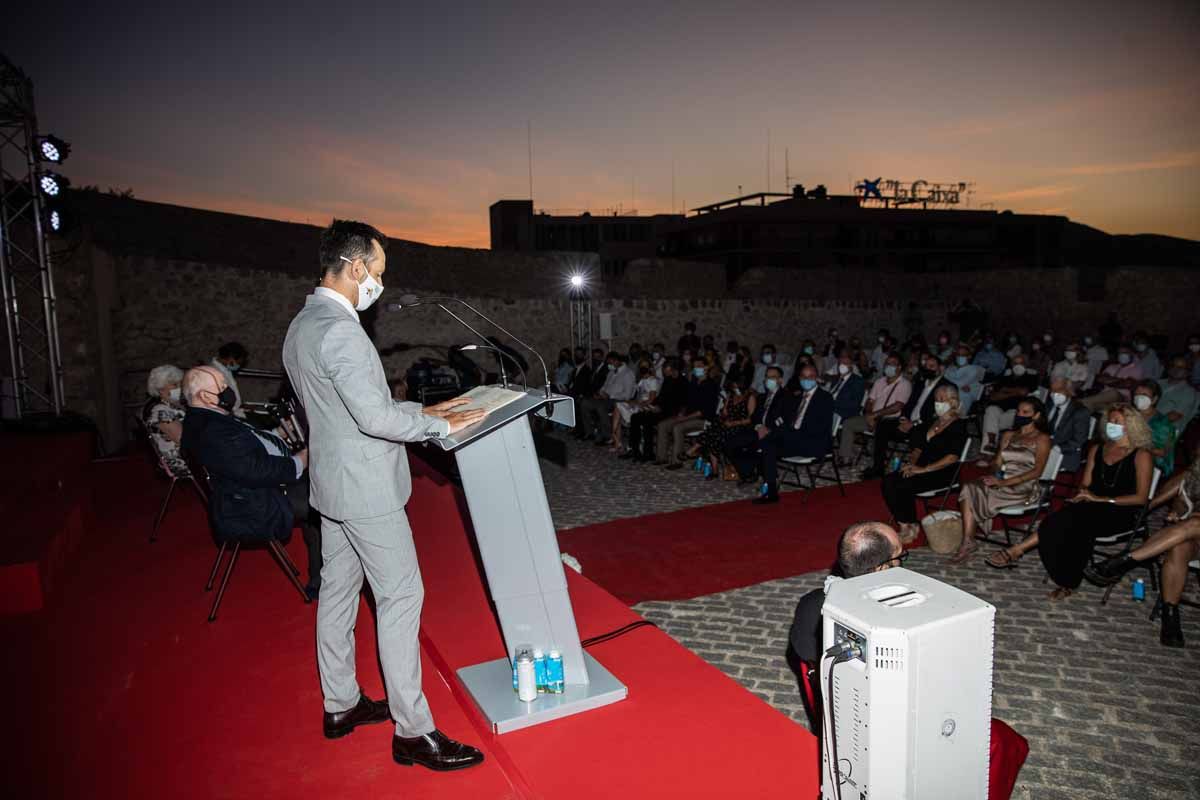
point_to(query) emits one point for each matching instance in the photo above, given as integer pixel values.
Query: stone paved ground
(1107, 711)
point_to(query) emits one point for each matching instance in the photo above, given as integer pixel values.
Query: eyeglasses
(898, 560)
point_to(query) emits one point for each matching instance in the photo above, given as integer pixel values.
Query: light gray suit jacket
(357, 466)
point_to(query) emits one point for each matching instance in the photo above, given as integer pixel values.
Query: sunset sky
(413, 116)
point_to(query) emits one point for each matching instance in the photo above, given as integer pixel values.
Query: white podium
(507, 499)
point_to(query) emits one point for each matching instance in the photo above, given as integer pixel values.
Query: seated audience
(1116, 485)
(657, 359)
(1073, 367)
(967, 377)
(886, 401)
(1146, 357)
(589, 379)
(1162, 431)
(919, 409)
(1069, 422)
(1012, 478)
(1116, 381)
(830, 350)
(163, 416)
(744, 368)
(689, 343)
(258, 488)
(619, 384)
(884, 345)
(770, 357)
(1038, 360)
(700, 408)
(736, 414)
(647, 393)
(847, 387)
(230, 358)
(1179, 400)
(1013, 343)
(1096, 355)
(860, 357)
(1007, 393)
(731, 355)
(774, 410)
(671, 397)
(944, 349)
(1179, 540)
(809, 435)
(564, 371)
(864, 547)
(989, 357)
(936, 444)
(1193, 357)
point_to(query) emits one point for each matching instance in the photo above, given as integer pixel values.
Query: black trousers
(788, 442)
(642, 427)
(741, 447)
(900, 493)
(1066, 537)
(887, 431)
(310, 522)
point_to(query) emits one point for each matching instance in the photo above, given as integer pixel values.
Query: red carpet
(122, 690)
(699, 551)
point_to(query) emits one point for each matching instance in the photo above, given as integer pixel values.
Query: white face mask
(890, 370)
(1195, 348)
(1141, 402)
(843, 369)
(368, 291)
(1059, 398)
(768, 358)
(1124, 358)
(1070, 355)
(1087, 341)
(1018, 370)
(1115, 431)
(174, 395)
(940, 408)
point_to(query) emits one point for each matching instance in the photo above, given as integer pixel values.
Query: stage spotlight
(56, 220)
(53, 149)
(577, 281)
(52, 184)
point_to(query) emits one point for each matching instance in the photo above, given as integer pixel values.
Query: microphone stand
(438, 302)
(545, 372)
(501, 355)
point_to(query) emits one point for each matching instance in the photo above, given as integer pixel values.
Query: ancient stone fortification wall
(122, 314)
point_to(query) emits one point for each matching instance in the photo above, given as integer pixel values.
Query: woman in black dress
(737, 412)
(1117, 484)
(935, 448)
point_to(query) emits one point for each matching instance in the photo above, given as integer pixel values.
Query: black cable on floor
(605, 637)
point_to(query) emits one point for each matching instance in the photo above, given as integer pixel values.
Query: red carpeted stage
(121, 689)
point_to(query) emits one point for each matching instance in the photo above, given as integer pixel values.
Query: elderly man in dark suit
(259, 489)
(917, 410)
(1069, 422)
(775, 410)
(809, 434)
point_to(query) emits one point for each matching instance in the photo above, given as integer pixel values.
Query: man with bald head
(360, 485)
(258, 486)
(865, 547)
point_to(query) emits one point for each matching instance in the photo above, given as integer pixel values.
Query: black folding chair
(174, 477)
(792, 465)
(1034, 510)
(946, 491)
(1120, 544)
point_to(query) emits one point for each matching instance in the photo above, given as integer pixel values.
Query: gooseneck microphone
(499, 354)
(411, 300)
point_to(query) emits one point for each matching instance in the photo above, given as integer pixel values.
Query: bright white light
(49, 151)
(577, 281)
(55, 220)
(49, 185)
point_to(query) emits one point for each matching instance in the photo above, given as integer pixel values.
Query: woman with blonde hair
(1116, 485)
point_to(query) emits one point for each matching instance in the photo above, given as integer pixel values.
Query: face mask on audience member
(655, 355)
(226, 399)
(1141, 402)
(1115, 431)
(941, 408)
(772, 385)
(1047, 338)
(1018, 370)
(808, 349)
(234, 367)
(1070, 355)
(174, 395)
(988, 346)
(1020, 422)
(808, 384)
(1012, 340)
(943, 341)
(1036, 347)
(960, 360)
(1059, 398)
(1140, 347)
(890, 370)
(843, 369)
(699, 372)
(768, 358)
(1194, 347)
(1124, 358)
(1087, 341)
(881, 339)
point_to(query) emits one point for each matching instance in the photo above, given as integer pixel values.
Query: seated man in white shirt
(1096, 355)
(621, 384)
(1146, 357)
(770, 357)
(968, 377)
(1179, 400)
(1073, 367)
(886, 400)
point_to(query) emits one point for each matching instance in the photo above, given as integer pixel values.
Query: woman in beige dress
(1019, 461)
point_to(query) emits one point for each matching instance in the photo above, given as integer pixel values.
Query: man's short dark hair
(615, 356)
(234, 350)
(689, 326)
(347, 239)
(768, 346)
(773, 368)
(1152, 387)
(862, 548)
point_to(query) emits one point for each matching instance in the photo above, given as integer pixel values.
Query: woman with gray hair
(934, 450)
(163, 416)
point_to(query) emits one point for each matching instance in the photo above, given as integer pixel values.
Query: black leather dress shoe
(436, 751)
(367, 712)
(766, 499)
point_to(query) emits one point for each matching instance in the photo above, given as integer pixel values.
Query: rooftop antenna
(768, 160)
(787, 172)
(672, 184)
(529, 142)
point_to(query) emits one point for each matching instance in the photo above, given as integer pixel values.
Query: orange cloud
(1179, 161)
(1034, 192)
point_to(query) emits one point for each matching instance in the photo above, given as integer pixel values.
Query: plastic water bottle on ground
(1139, 590)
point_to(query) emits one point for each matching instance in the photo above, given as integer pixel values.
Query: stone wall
(122, 313)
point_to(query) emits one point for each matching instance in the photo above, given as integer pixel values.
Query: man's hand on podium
(457, 419)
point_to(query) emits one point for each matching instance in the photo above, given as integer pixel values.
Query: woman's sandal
(1002, 560)
(1061, 593)
(962, 556)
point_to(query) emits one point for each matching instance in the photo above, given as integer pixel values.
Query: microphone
(440, 300)
(411, 300)
(499, 354)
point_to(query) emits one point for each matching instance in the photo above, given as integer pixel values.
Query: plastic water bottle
(554, 673)
(707, 469)
(1139, 590)
(539, 669)
(895, 464)
(764, 489)
(526, 678)
(699, 465)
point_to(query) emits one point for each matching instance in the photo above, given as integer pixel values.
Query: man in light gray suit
(360, 483)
